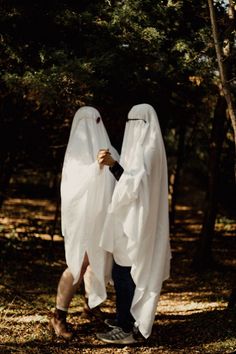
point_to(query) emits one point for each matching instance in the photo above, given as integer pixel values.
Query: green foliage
(59, 55)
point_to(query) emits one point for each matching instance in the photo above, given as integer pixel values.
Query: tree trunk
(203, 256)
(225, 82)
(6, 169)
(56, 192)
(232, 299)
(177, 174)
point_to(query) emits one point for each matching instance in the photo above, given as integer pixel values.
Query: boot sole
(56, 333)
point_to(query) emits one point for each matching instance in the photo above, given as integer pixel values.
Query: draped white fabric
(140, 207)
(86, 192)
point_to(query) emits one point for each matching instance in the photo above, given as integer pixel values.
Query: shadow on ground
(192, 314)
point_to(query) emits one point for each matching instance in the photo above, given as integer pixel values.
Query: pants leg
(124, 287)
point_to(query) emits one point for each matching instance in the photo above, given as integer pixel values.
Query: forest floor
(192, 314)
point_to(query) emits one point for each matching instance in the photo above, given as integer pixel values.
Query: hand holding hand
(104, 158)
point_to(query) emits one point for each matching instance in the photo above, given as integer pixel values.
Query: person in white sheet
(136, 229)
(86, 191)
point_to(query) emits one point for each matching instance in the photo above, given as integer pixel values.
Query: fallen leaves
(192, 314)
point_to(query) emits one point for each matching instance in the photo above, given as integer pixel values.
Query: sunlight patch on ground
(48, 237)
(194, 228)
(7, 220)
(183, 207)
(27, 201)
(27, 319)
(228, 229)
(228, 346)
(183, 239)
(187, 306)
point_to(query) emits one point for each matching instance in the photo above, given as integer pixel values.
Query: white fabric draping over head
(86, 192)
(140, 206)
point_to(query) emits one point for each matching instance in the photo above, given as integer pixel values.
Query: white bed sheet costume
(86, 191)
(137, 224)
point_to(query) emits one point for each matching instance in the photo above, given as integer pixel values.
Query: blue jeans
(124, 287)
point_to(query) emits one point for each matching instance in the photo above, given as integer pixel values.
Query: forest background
(57, 56)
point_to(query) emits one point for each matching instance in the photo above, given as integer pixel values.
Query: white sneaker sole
(128, 340)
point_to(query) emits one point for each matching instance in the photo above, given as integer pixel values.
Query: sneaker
(113, 323)
(117, 336)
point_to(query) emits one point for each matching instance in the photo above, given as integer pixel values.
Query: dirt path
(192, 315)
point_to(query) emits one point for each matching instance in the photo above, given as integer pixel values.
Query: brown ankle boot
(94, 313)
(59, 325)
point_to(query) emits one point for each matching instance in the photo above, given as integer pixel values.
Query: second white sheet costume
(137, 225)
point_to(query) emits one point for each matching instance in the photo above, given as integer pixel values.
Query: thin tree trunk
(223, 68)
(178, 170)
(232, 299)
(6, 170)
(203, 256)
(221, 64)
(56, 192)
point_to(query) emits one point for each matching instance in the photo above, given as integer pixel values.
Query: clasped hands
(104, 158)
